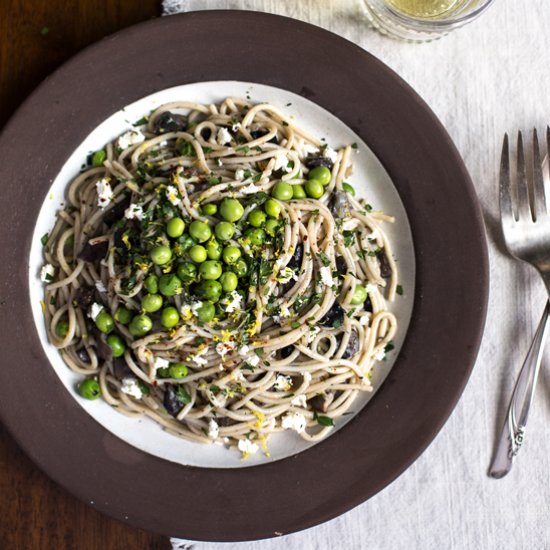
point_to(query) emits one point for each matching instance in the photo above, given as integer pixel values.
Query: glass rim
(439, 23)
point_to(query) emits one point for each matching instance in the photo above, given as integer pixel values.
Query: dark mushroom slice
(313, 161)
(102, 349)
(172, 402)
(334, 317)
(206, 134)
(286, 351)
(256, 134)
(169, 122)
(84, 297)
(341, 265)
(340, 206)
(116, 213)
(353, 345)
(322, 401)
(225, 421)
(385, 268)
(94, 251)
(120, 368)
(83, 355)
(296, 261)
(367, 305)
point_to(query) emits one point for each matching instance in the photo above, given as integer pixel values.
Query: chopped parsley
(44, 239)
(323, 420)
(399, 290)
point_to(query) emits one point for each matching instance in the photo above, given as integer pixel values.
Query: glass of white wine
(422, 20)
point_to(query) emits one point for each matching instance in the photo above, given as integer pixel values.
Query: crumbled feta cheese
(235, 303)
(95, 310)
(213, 429)
(286, 275)
(132, 137)
(223, 348)
(238, 375)
(131, 387)
(243, 350)
(380, 355)
(100, 286)
(330, 153)
(294, 421)
(373, 235)
(371, 287)
(104, 192)
(282, 382)
(236, 126)
(305, 149)
(299, 401)
(239, 174)
(249, 189)
(195, 306)
(326, 276)
(219, 161)
(197, 357)
(172, 194)
(160, 363)
(247, 447)
(223, 137)
(134, 212)
(364, 319)
(307, 377)
(284, 311)
(253, 360)
(46, 273)
(281, 162)
(351, 224)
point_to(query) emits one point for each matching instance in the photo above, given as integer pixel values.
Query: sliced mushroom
(256, 134)
(341, 265)
(286, 351)
(296, 260)
(385, 268)
(116, 212)
(94, 252)
(313, 161)
(172, 402)
(334, 317)
(321, 402)
(353, 345)
(120, 368)
(340, 206)
(84, 296)
(169, 122)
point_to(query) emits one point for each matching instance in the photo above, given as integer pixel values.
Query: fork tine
(505, 196)
(539, 196)
(523, 209)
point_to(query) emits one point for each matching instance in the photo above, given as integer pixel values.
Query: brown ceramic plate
(451, 278)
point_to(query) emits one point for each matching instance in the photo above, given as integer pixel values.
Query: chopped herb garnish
(399, 290)
(44, 239)
(323, 420)
(349, 238)
(368, 208)
(141, 121)
(259, 352)
(295, 324)
(214, 389)
(183, 396)
(245, 149)
(389, 346)
(44, 31)
(354, 146)
(324, 258)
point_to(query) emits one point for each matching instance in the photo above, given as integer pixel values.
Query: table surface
(487, 78)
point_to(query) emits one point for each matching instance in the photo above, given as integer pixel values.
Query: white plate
(370, 180)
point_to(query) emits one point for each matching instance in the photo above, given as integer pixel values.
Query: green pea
(116, 343)
(231, 210)
(209, 209)
(271, 227)
(229, 281)
(163, 372)
(140, 325)
(211, 270)
(62, 328)
(151, 303)
(240, 267)
(282, 191)
(161, 255)
(210, 290)
(272, 208)
(99, 157)
(89, 389)
(104, 322)
(348, 188)
(200, 231)
(256, 218)
(359, 295)
(178, 370)
(175, 227)
(123, 315)
(169, 284)
(206, 312)
(213, 249)
(298, 192)
(198, 254)
(255, 236)
(321, 174)
(314, 189)
(231, 254)
(187, 271)
(169, 317)
(224, 230)
(186, 242)
(151, 284)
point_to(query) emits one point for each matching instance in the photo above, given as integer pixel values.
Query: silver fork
(527, 237)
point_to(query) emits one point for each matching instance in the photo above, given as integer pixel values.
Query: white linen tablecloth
(487, 78)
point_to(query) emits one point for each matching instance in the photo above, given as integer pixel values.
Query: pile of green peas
(314, 188)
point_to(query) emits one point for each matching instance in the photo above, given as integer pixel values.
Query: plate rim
(117, 463)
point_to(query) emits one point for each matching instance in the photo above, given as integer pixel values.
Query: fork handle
(512, 435)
